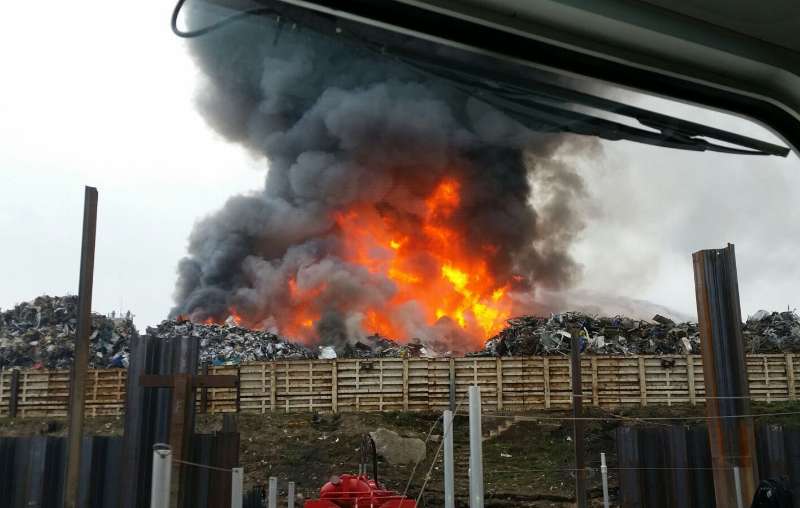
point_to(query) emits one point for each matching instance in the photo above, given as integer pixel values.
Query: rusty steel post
(204, 390)
(80, 362)
(13, 394)
(727, 392)
(577, 413)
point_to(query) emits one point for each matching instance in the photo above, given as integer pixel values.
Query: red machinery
(358, 490)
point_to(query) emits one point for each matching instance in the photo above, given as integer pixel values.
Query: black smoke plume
(339, 126)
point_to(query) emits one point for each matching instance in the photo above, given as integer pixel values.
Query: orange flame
(429, 263)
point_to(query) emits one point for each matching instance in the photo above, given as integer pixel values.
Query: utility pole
(577, 413)
(80, 362)
(733, 445)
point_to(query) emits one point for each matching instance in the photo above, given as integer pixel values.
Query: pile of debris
(41, 334)
(532, 335)
(230, 344)
(772, 332)
(377, 346)
(763, 332)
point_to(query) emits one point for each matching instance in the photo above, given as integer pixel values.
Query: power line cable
(214, 26)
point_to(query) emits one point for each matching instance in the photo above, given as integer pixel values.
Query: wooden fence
(393, 384)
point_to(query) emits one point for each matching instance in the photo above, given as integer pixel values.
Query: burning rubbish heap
(229, 343)
(394, 202)
(42, 333)
(764, 332)
(376, 346)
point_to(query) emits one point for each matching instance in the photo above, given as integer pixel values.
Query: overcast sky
(99, 93)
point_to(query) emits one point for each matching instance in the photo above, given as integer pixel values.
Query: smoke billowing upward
(393, 202)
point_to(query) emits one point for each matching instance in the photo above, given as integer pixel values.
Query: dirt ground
(528, 465)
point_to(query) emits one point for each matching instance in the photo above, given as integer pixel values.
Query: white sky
(101, 93)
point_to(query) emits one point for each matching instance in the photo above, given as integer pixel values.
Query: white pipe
(237, 479)
(272, 495)
(475, 449)
(737, 481)
(162, 475)
(290, 496)
(449, 478)
(604, 474)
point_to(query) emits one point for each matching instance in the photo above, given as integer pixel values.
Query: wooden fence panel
(5, 391)
(304, 385)
(667, 380)
(418, 384)
(481, 371)
(768, 377)
(222, 400)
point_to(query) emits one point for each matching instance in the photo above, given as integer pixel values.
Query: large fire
(428, 262)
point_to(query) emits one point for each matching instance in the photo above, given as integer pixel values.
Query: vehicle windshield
(336, 263)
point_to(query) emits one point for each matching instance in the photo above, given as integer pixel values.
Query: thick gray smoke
(343, 128)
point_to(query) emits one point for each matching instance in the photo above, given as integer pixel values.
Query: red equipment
(358, 490)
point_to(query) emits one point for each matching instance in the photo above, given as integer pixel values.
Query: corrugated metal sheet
(32, 472)
(671, 466)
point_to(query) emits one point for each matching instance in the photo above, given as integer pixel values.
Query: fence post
(334, 387)
(273, 388)
(13, 395)
(272, 493)
(690, 379)
(604, 475)
(499, 368)
(475, 449)
(452, 391)
(730, 429)
(642, 382)
(162, 476)
(546, 380)
(577, 403)
(239, 388)
(290, 495)
(449, 478)
(405, 384)
(790, 376)
(237, 479)
(737, 481)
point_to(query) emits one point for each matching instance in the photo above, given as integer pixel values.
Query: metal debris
(377, 346)
(775, 332)
(41, 334)
(230, 344)
(764, 332)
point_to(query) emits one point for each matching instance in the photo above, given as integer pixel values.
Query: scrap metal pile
(230, 344)
(763, 332)
(377, 346)
(41, 334)
(772, 332)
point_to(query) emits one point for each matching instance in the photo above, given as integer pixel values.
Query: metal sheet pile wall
(670, 466)
(32, 472)
(147, 420)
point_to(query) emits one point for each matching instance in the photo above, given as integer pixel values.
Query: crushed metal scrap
(764, 332)
(41, 334)
(229, 343)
